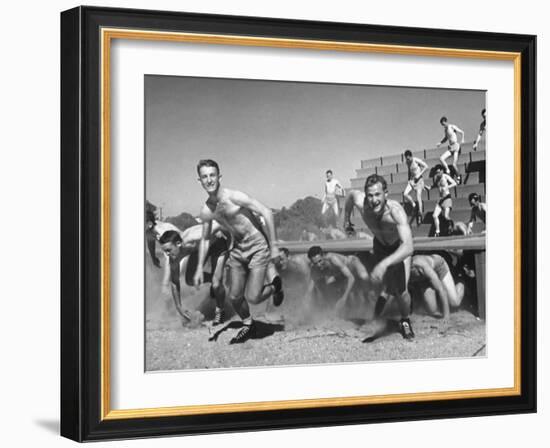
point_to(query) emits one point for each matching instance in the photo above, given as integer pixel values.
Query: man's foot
(419, 219)
(405, 328)
(278, 294)
(219, 317)
(243, 335)
(436, 234)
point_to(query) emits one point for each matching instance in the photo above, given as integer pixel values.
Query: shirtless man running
(482, 127)
(329, 271)
(453, 147)
(416, 168)
(444, 183)
(479, 211)
(392, 245)
(333, 190)
(252, 248)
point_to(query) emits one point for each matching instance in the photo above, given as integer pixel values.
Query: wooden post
(480, 283)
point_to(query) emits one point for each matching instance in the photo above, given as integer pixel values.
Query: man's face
(484, 114)
(444, 123)
(209, 178)
(318, 261)
(149, 225)
(171, 249)
(376, 198)
(329, 176)
(282, 262)
(408, 158)
(474, 202)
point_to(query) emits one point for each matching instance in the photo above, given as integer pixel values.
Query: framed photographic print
(275, 224)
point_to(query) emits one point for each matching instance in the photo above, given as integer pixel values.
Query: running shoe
(405, 328)
(219, 317)
(243, 335)
(278, 294)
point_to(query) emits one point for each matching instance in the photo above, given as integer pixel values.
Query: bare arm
(203, 245)
(151, 246)
(460, 131)
(450, 181)
(353, 199)
(423, 166)
(346, 273)
(405, 250)
(243, 200)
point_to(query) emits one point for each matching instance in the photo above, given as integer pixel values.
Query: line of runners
(239, 231)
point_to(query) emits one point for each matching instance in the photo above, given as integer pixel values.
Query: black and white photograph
(301, 223)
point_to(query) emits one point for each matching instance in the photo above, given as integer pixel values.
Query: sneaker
(419, 219)
(219, 317)
(436, 234)
(243, 335)
(278, 294)
(406, 329)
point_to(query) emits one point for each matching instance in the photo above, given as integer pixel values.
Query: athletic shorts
(453, 147)
(249, 253)
(417, 184)
(330, 200)
(395, 278)
(215, 250)
(446, 202)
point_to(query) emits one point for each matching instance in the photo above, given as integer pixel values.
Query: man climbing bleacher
(453, 148)
(416, 168)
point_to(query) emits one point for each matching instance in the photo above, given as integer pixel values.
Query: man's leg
(324, 208)
(218, 289)
(452, 293)
(236, 292)
(437, 212)
(455, 163)
(419, 189)
(399, 279)
(443, 159)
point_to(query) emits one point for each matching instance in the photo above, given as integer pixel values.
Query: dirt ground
(291, 335)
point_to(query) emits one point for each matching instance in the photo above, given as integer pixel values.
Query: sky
(275, 140)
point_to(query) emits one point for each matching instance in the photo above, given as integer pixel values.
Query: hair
(285, 251)
(207, 162)
(150, 216)
(442, 119)
(170, 236)
(329, 171)
(408, 153)
(473, 196)
(374, 179)
(438, 167)
(483, 112)
(314, 251)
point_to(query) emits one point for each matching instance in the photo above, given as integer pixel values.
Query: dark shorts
(218, 248)
(395, 279)
(446, 201)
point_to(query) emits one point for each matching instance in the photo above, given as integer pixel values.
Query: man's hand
(198, 278)
(377, 275)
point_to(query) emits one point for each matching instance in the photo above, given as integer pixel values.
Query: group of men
(444, 179)
(237, 238)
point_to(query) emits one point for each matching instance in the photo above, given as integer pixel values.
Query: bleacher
(471, 165)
